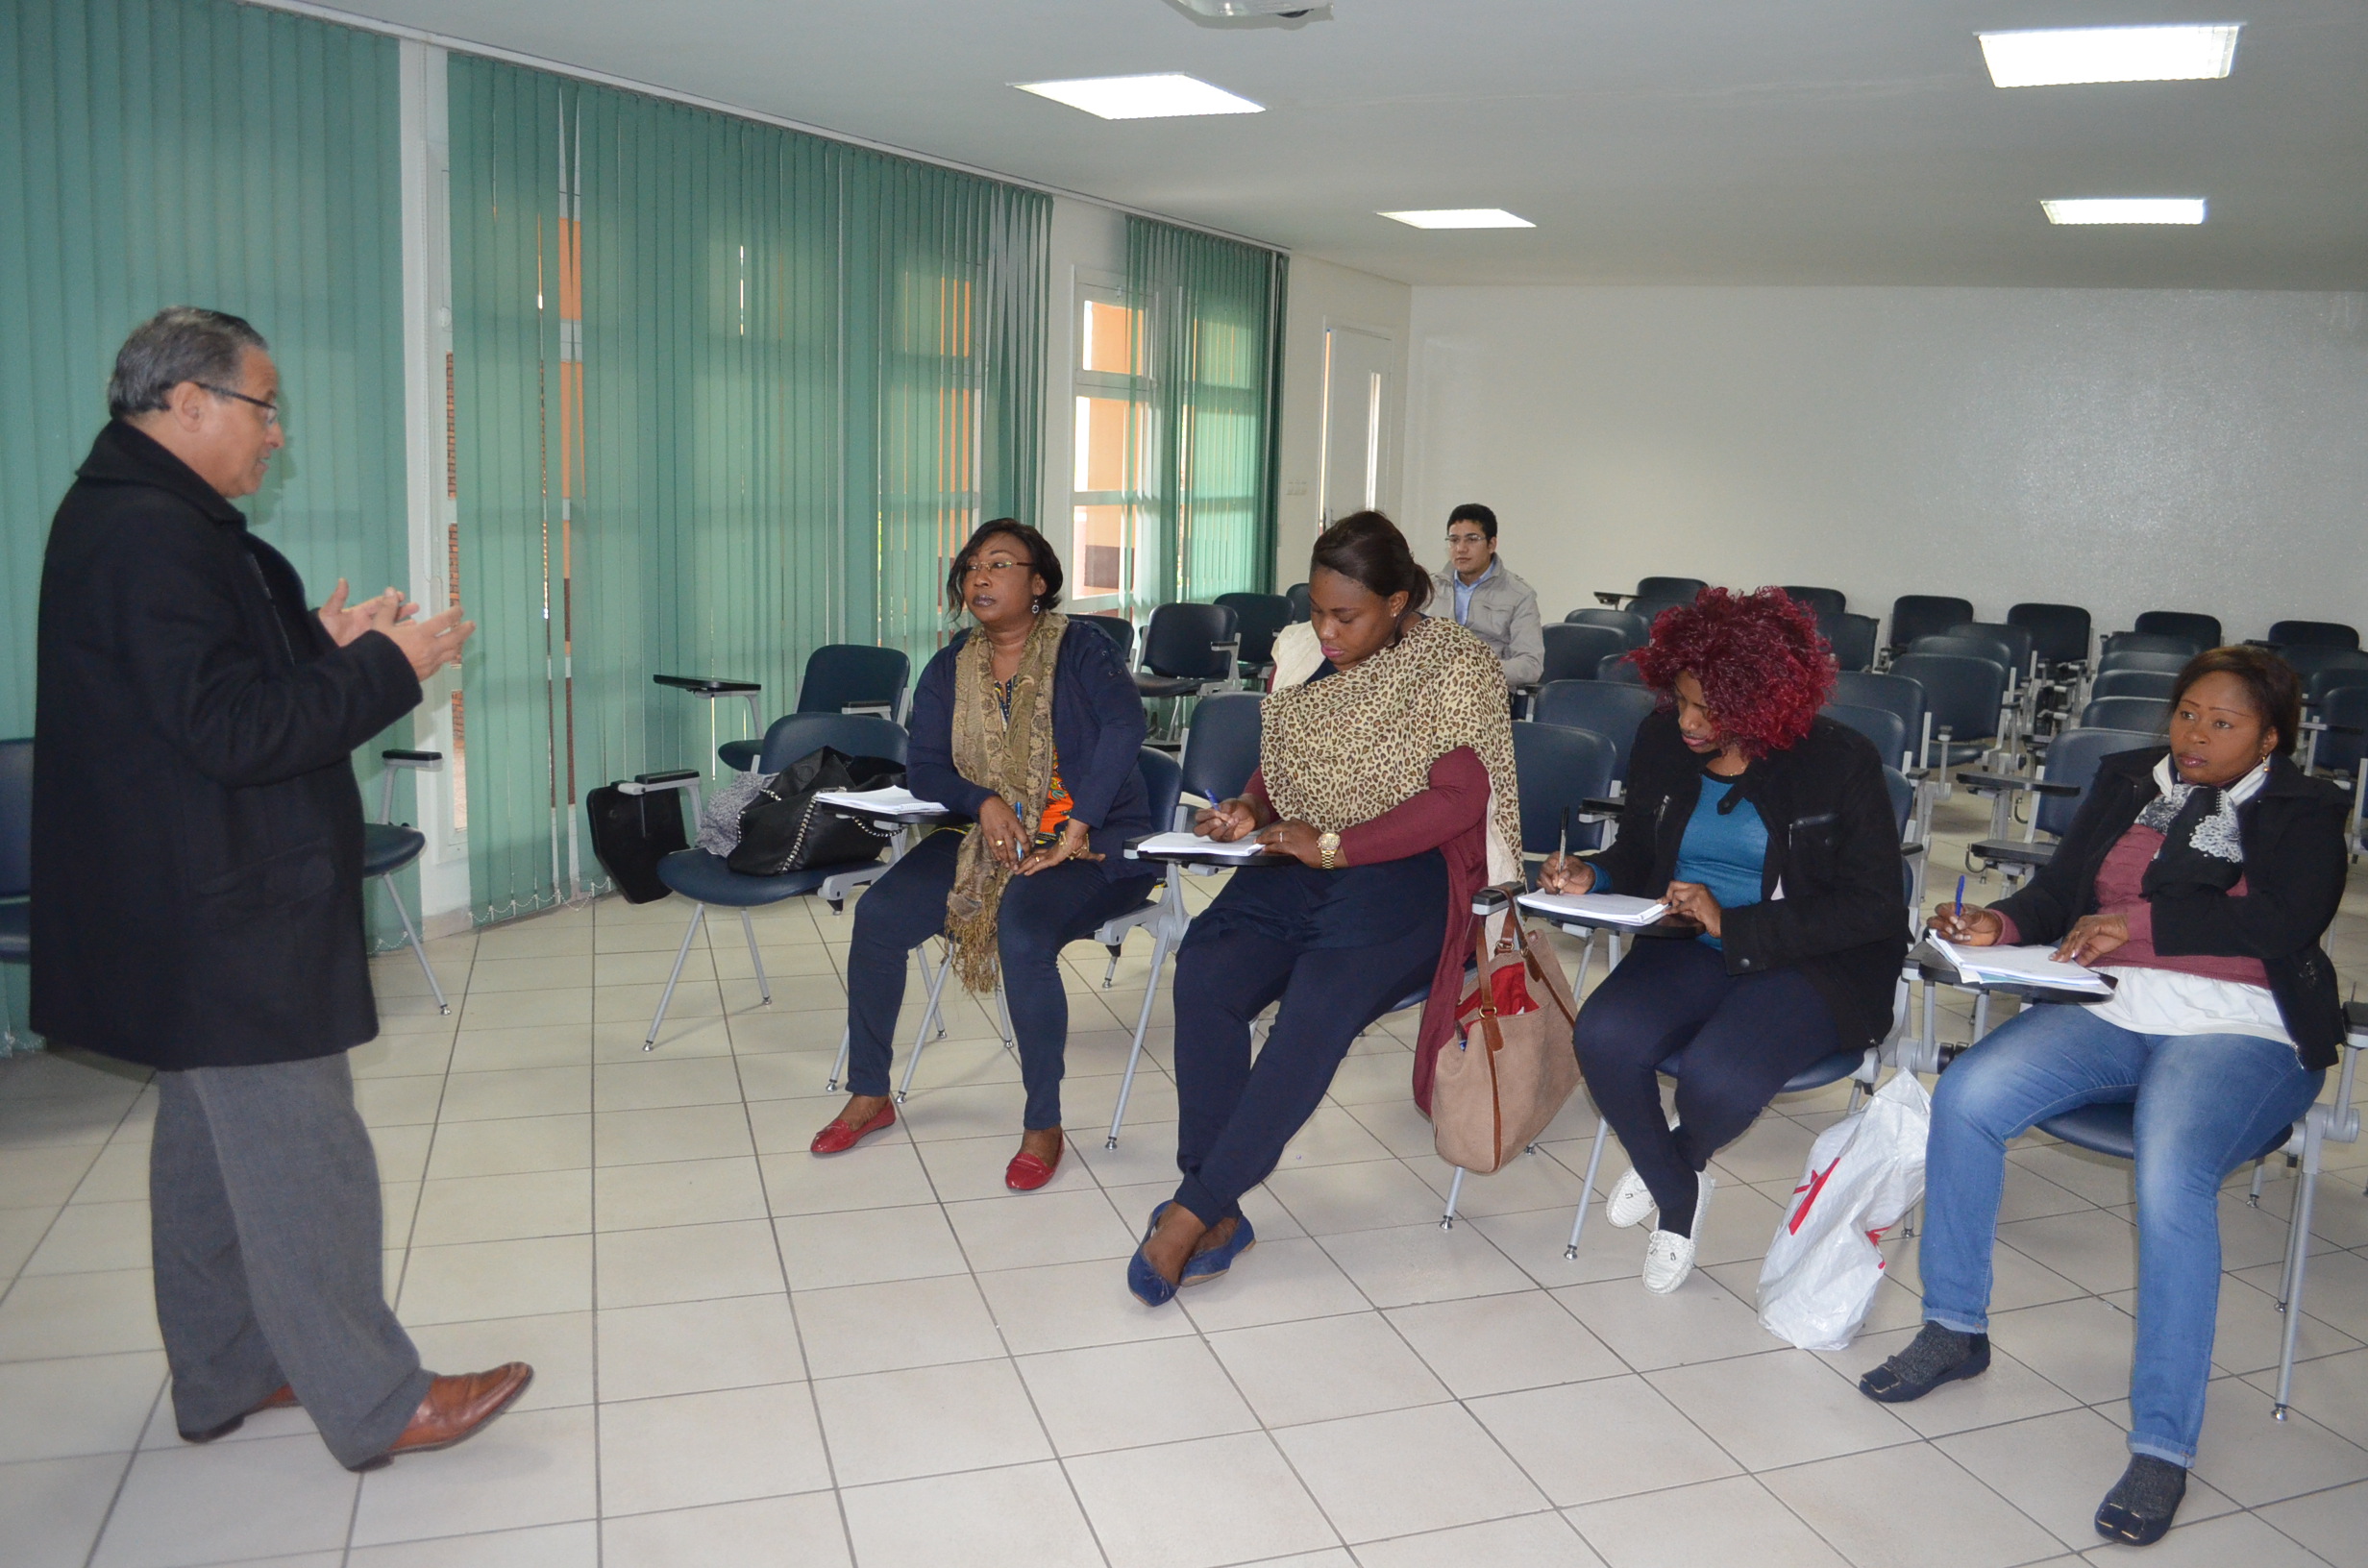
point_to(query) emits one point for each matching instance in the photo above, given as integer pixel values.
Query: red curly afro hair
(1763, 668)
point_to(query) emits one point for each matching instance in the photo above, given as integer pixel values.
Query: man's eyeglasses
(271, 411)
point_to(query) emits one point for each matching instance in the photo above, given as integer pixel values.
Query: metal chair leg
(1002, 1015)
(698, 912)
(764, 987)
(1111, 973)
(1586, 1188)
(2298, 1244)
(847, 1039)
(411, 934)
(920, 1037)
(1455, 1190)
(1143, 1025)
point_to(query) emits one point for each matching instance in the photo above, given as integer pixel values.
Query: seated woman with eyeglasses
(1386, 776)
(1769, 832)
(2201, 875)
(1034, 733)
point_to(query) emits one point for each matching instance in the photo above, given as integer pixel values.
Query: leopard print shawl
(1346, 749)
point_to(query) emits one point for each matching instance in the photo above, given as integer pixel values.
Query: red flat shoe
(1027, 1171)
(837, 1137)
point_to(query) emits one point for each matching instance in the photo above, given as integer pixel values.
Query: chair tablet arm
(1596, 807)
(1977, 780)
(1491, 901)
(1612, 599)
(428, 760)
(708, 685)
(671, 779)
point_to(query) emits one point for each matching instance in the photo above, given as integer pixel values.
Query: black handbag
(785, 830)
(631, 833)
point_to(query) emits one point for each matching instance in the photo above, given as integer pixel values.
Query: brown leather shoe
(455, 1407)
(281, 1398)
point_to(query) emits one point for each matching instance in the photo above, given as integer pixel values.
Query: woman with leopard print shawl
(1386, 778)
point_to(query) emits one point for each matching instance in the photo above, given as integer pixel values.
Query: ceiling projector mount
(1254, 12)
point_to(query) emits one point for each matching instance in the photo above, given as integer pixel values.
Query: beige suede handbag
(1509, 1072)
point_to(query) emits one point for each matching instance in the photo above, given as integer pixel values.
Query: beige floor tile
(517, 1091)
(884, 1425)
(966, 1169)
(398, 1102)
(43, 1178)
(573, 1545)
(662, 1083)
(1028, 1229)
(1496, 1344)
(1529, 1540)
(866, 1247)
(88, 1236)
(687, 1262)
(1404, 1472)
(402, 1156)
(1368, 1195)
(1698, 1322)
(2082, 1346)
(1782, 1407)
(497, 1278)
(678, 1192)
(2328, 1523)
(402, 1056)
(1402, 1265)
(1130, 1496)
(1605, 1438)
(721, 1446)
(1072, 1305)
(528, 1467)
(2333, 1392)
(1277, 1282)
(2058, 1468)
(228, 1501)
(1022, 1517)
(77, 1405)
(504, 1208)
(882, 1172)
(21, 1230)
(1856, 1504)
(79, 1314)
(531, 1045)
(504, 1149)
(895, 1324)
(51, 1510)
(2008, 1391)
(698, 1346)
(622, 1041)
(801, 1531)
(1129, 1396)
(2256, 1459)
(1731, 1520)
(526, 1009)
(1320, 1369)
(2212, 1543)
(698, 1131)
(557, 972)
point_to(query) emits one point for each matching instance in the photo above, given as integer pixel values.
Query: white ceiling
(1763, 141)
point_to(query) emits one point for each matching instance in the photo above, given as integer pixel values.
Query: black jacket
(1097, 731)
(2294, 875)
(197, 830)
(1833, 841)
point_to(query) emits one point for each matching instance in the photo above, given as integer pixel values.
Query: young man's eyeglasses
(271, 411)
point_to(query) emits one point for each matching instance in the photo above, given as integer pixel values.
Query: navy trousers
(1040, 915)
(1235, 1117)
(1730, 1040)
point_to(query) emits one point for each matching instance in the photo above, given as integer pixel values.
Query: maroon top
(1452, 816)
(2121, 890)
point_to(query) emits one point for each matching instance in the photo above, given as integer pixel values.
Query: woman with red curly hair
(1770, 833)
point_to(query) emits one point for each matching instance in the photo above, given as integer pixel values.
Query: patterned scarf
(1346, 749)
(2203, 844)
(1012, 757)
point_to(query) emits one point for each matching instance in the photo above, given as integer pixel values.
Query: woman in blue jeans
(1035, 735)
(2201, 876)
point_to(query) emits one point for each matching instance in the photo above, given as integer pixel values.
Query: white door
(1356, 425)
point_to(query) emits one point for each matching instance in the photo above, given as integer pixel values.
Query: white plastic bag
(1865, 1172)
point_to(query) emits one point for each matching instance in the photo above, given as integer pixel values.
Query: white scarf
(2217, 835)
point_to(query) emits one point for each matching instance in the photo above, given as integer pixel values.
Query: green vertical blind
(722, 393)
(1210, 366)
(191, 152)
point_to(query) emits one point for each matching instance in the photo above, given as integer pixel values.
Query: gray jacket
(1504, 615)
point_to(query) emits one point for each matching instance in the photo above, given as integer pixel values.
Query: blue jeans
(2204, 1105)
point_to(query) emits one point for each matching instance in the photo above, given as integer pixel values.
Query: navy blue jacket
(1097, 733)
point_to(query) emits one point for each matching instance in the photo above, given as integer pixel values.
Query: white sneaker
(1631, 1200)
(1669, 1256)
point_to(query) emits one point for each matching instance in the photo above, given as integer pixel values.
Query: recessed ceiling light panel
(1461, 217)
(2058, 56)
(2078, 210)
(1161, 96)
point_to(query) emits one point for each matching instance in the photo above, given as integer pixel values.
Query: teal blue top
(1725, 851)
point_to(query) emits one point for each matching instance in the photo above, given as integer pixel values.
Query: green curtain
(190, 152)
(722, 393)
(1210, 363)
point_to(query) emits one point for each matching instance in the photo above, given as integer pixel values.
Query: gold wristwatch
(1328, 851)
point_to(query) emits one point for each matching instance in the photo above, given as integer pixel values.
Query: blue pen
(1959, 912)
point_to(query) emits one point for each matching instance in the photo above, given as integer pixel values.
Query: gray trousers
(264, 1217)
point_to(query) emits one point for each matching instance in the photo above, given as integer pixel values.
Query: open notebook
(1163, 844)
(2021, 966)
(1594, 908)
(893, 801)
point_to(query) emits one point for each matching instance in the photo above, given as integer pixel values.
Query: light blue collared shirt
(1464, 590)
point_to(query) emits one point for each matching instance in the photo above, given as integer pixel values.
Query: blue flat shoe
(1145, 1282)
(1163, 1208)
(1213, 1263)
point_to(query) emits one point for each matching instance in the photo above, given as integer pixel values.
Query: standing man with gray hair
(197, 840)
(1484, 595)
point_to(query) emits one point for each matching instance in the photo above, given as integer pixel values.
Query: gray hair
(179, 343)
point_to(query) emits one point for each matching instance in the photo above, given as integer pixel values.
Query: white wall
(1322, 295)
(2124, 450)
